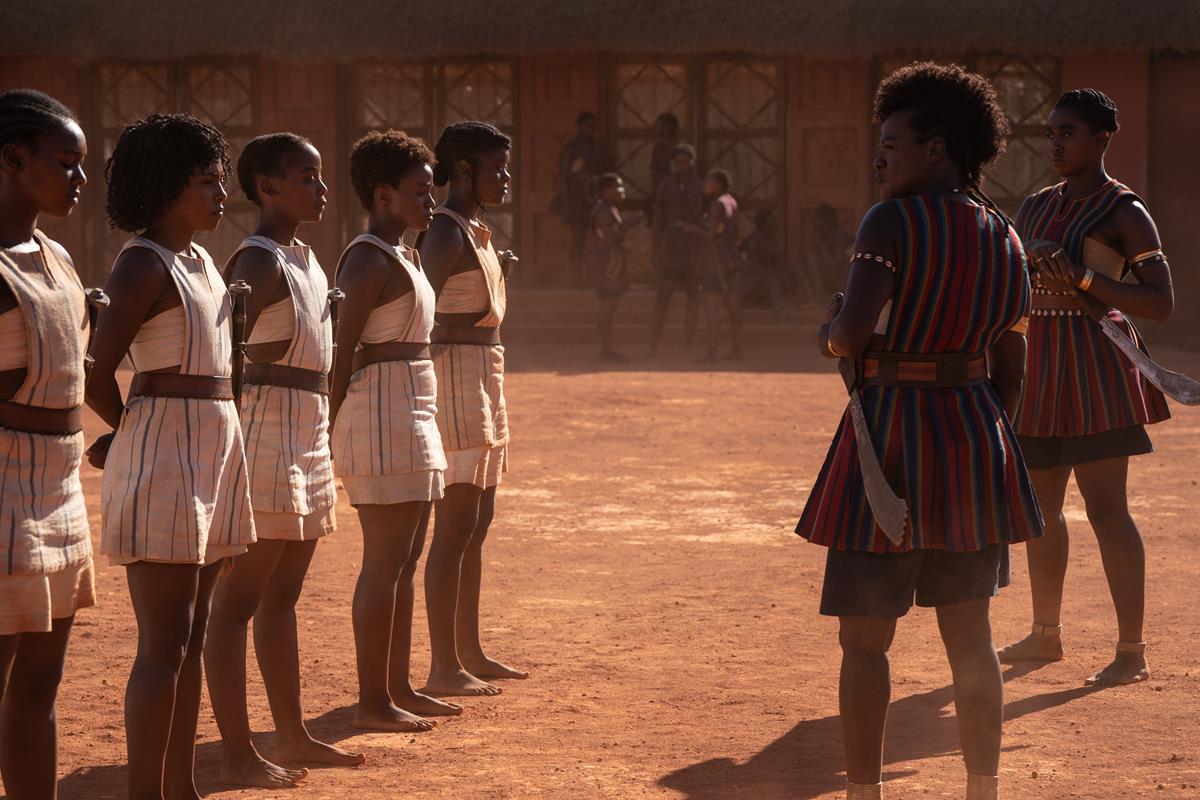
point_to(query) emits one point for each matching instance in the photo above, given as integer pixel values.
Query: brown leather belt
(37, 419)
(1055, 305)
(306, 380)
(464, 334)
(924, 371)
(389, 351)
(168, 384)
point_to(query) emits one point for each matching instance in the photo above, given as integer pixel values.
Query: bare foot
(1125, 669)
(424, 705)
(485, 667)
(1034, 647)
(390, 718)
(459, 684)
(260, 773)
(185, 791)
(310, 751)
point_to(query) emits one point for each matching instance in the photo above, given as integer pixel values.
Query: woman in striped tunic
(1086, 406)
(174, 498)
(285, 425)
(932, 319)
(45, 546)
(472, 158)
(385, 439)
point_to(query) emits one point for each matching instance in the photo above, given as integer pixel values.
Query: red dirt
(642, 565)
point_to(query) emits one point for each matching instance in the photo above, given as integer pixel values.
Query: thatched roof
(356, 29)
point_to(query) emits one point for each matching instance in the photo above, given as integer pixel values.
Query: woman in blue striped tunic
(932, 319)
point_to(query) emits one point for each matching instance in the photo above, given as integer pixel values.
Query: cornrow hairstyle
(266, 155)
(381, 158)
(1092, 106)
(464, 141)
(26, 114)
(721, 177)
(152, 163)
(959, 106)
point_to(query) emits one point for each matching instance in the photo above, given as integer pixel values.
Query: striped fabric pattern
(286, 430)
(43, 520)
(470, 381)
(960, 284)
(175, 487)
(1077, 382)
(385, 440)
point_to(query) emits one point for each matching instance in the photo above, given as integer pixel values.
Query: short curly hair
(1092, 106)
(381, 158)
(152, 163)
(950, 102)
(265, 155)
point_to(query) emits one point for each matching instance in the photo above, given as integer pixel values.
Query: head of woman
(940, 125)
(610, 188)
(167, 165)
(666, 126)
(281, 174)
(1079, 129)
(393, 179)
(42, 149)
(472, 157)
(717, 183)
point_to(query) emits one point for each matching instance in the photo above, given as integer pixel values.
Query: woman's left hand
(1055, 270)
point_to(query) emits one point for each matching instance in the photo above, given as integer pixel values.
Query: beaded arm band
(1147, 259)
(865, 256)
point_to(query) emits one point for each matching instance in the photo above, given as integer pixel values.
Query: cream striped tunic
(470, 377)
(43, 521)
(286, 430)
(385, 441)
(175, 488)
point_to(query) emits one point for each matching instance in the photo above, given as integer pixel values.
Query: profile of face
(299, 190)
(713, 187)
(683, 165)
(903, 163)
(1074, 147)
(614, 193)
(201, 204)
(664, 128)
(50, 171)
(491, 176)
(410, 202)
(587, 128)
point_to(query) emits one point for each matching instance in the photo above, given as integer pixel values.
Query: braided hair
(152, 163)
(464, 141)
(959, 106)
(1092, 106)
(265, 155)
(381, 158)
(26, 114)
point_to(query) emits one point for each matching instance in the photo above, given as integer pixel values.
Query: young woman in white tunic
(45, 546)
(472, 160)
(386, 446)
(285, 425)
(175, 498)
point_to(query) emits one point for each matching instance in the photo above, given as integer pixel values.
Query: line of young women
(411, 406)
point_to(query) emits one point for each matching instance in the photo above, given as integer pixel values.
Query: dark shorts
(884, 585)
(1049, 452)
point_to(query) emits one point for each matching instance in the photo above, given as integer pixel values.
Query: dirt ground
(642, 565)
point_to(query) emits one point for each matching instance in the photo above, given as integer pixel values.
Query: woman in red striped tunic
(932, 318)
(1086, 405)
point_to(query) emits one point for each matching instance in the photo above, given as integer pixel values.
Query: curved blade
(890, 511)
(1175, 385)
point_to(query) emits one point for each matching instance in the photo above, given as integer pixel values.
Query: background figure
(666, 137)
(580, 160)
(766, 277)
(827, 256)
(604, 256)
(720, 265)
(677, 211)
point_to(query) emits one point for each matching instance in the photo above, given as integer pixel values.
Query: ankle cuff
(864, 791)
(1047, 630)
(1131, 647)
(983, 787)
